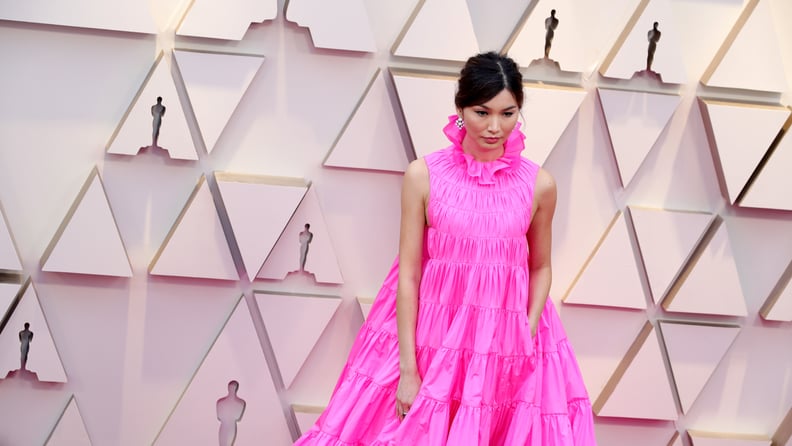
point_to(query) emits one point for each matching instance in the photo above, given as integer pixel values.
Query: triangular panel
(88, 241)
(635, 121)
(723, 439)
(783, 435)
(70, 430)
(545, 128)
(215, 84)
(371, 138)
(136, 130)
(30, 410)
(9, 257)
(196, 245)
(754, 59)
(634, 434)
(668, 58)
(439, 29)
(667, 239)
(294, 323)
(228, 20)
(295, 244)
(742, 134)
(259, 209)
(235, 356)
(770, 189)
(427, 101)
(365, 305)
(340, 25)
(42, 358)
(694, 352)
(711, 285)
(576, 46)
(8, 293)
(610, 277)
(641, 388)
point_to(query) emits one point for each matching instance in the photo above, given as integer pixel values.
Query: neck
(480, 154)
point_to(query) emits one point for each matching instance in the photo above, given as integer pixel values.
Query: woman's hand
(409, 384)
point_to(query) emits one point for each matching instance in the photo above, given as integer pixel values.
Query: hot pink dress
(485, 381)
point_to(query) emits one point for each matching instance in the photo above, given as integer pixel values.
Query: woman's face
(489, 124)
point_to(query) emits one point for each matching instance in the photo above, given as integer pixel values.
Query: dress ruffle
(485, 379)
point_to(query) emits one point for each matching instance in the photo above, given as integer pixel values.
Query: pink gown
(485, 381)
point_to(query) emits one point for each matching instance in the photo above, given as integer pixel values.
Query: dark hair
(484, 76)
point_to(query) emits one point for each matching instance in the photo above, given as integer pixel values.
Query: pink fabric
(486, 382)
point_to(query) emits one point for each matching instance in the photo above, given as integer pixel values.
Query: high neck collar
(484, 171)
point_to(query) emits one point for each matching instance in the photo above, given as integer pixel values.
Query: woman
(462, 346)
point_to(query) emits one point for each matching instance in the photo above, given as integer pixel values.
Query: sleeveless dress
(485, 381)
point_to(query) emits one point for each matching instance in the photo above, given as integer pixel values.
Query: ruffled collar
(485, 171)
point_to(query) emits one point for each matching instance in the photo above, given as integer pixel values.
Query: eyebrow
(505, 109)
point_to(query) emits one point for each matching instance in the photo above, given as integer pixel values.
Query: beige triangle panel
(710, 283)
(306, 415)
(338, 25)
(610, 276)
(769, 188)
(88, 241)
(639, 388)
(304, 247)
(215, 83)
(29, 353)
(542, 129)
(667, 239)
(119, 15)
(698, 438)
(629, 433)
(778, 306)
(371, 138)
(741, 135)
(294, 324)
(783, 435)
(9, 257)
(750, 57)
(438, 29)
(232, 390)
(30, 411)
(8, 296)
(153, 124)
(694, 352)
(70, 430)
(228, 20)
(196, 245)
(365, 305)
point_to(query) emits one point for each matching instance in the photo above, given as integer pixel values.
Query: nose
(494, 124)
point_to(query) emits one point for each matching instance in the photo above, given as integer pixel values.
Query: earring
(459, 122)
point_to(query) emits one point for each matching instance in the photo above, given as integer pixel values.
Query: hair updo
(484, 76)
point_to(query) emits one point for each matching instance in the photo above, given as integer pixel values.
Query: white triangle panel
(121, 15)
(196, 245)
(235, 356)
(695, 351)
(136, 129)
(742, 134)
(215, 84)
(643, 391)
(770, 189)
(577, 45)
(611, 277)
(633, 434)
(666, 239)
(8, 292)
(721, 439)
(259, 212)
(545, 128)
(43, 359)
(754, 60)
(30, 410)
(70, 430)
(88, 241)
(635, 121)
(371, 139)
(306, 416)
(365, 305)
(294, 324)
(228, 20)
(340, 25)
(668, 58)
(426, 101)
(320, 258)
(713, 284)
(780, 309)
(9, 258)
(441, 29)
